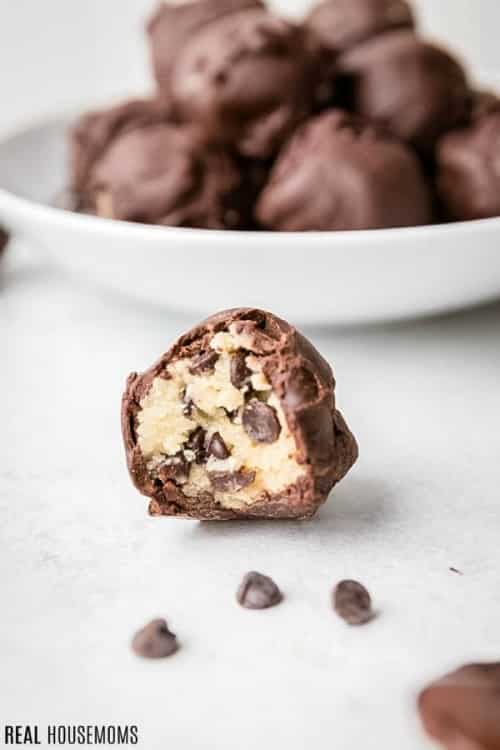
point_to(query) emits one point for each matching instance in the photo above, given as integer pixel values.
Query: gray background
(58, 53)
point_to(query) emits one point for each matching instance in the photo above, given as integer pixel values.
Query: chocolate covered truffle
(468, 165)
(93, 132)
(130, 163)
(414, 89)
(243, 75)
(338, 173)
(462, 709)
(237, 420)
(340, 24)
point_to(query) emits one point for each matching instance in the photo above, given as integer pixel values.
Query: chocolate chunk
(257, 591)
(240, 373)
(260, 422)
(352, 602)
(462, 709)
(361, 172)
(196, 443)
(245, 76)
(216, 447)
(155, 641)
(415, 90)
(320, 447)
(231, 481)
(188, 409)
(204, 363)
(175, 469)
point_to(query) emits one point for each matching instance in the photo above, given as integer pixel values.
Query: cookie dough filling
(211, 423)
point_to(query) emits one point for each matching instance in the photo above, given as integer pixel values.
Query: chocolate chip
(260, 422)
(204, 363)
(352, 602)
(175, 469)
(301, 388)
(239, 371)
(189, 405)
(216, 447)
(231, 481)
(196, 443)
(257, 591)
(155, 641)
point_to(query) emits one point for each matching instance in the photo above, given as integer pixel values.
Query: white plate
(327, 278)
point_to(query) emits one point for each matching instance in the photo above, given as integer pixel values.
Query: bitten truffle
(237, 420)
(361, 174)
(468, 165)
(130, 163)
(414, 89)
(243, 75)
(462, 709)
(340, 24)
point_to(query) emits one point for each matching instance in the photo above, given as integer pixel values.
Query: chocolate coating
(303, 383)
(416, 90)
(361, 174)
(130, 163)
(340, 24)
(243, 75)
(462, 709)
(94, 132)
(468, 167)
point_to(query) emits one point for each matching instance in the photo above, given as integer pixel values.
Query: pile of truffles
(347, 120)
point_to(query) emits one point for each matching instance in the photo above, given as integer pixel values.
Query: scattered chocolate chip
(462, 709)
(240, 373)
(175, 469)
(257, 591)
(204, 363)
(155, 641)
(231, 481)
(301, 388)
(216, 447)
(260, 422)
(352, 602)
(196, 443)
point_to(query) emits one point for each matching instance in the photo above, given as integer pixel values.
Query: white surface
(324, 277)
(83, 567)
